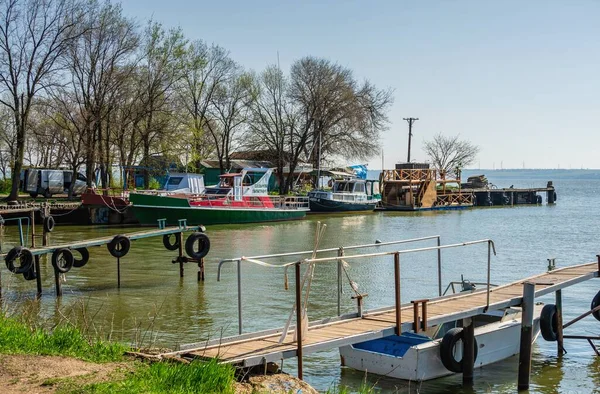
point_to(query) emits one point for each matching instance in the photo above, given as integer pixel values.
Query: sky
(520, 79)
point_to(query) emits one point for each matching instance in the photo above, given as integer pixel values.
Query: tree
(450, 153)
(34, 35)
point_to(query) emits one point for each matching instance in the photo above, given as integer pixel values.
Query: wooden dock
(262, 347)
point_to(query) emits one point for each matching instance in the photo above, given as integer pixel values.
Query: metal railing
(339, 258)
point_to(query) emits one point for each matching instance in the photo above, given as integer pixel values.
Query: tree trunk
(18, 165)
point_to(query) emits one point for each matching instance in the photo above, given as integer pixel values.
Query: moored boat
(438, 352)
(236, 199)
(346, 195)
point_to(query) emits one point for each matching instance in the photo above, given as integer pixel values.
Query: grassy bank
(18, 337)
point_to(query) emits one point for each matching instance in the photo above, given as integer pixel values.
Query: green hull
(149, 209)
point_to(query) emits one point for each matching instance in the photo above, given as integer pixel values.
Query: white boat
(418, 357)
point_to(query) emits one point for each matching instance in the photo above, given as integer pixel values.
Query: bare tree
(346, 117)
(34, 35)
(449, 154)
(206, 70)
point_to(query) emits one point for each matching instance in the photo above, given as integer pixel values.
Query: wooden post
(299, 320)
(58, 284)
(118, 273)
(201, 270)
(397, 293)
(526, 335)
(559, 325)
(415, 316)
(468, 360)
(180, 241)
(424, 305)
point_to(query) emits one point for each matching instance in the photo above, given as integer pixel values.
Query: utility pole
(410, 123)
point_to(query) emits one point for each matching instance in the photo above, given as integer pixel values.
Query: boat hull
(149, 209)
(496, 341)
(326, 205)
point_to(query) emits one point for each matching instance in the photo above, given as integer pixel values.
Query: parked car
(47, 182)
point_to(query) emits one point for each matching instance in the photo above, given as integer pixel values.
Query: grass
(17, 337)
(196, 377)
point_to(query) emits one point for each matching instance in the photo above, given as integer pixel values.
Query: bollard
(468, 360)
(559, 323)
(526, 335)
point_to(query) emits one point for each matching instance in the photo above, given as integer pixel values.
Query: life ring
(62, 260)
(119, 246)
(167, 242)
(30, 275)
(447, 349)
(595, 303)
(549, 323)
(49, 224)
(25, 260)
(203, 245)
(85, 257)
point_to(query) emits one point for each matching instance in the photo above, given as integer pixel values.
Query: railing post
(439, 253)
(397, 293)
(526, 335)
(339, 280)
(559, 323)
(489, 273)
(299, 320)
(239, 283)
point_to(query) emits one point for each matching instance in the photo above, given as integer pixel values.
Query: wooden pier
(263, 347)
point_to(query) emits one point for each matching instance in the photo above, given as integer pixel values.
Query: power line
(410, 123)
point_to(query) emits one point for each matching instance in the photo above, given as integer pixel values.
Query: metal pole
(118, 273)
(439, 253)
(299, 320)
(397, 293)
(58, 284)
(36, 259)
(201, 270)
(339, 278)
(21, 232)
(526, 335)
(468, 360)
(239, 283)
(180, 239)
(489, 273)
(559, 325)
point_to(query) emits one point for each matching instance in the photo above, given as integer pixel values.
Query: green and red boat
(236, 199)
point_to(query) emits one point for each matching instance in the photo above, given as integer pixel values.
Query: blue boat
(345, 196)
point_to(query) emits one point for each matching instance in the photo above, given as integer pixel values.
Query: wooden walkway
(261, 347)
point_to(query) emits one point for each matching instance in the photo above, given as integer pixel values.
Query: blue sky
(521, 79)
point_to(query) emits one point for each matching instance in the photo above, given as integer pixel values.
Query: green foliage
(17, 337)
(153, 184)
(196, 377)
(5, 185)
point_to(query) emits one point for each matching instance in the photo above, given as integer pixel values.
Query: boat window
(339, 186)
(174, 181)
(376, 188)
(359, 187)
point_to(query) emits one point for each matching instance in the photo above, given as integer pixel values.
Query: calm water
(156, 307)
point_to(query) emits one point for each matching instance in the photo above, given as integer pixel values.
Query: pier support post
(559, 325)
(180, 242)
(57, 283)
(118, 273)
(526, 335)
(550, 193)
(201, 270)
(299, 320)
(397, 293)
(36, 260)
(468, 360)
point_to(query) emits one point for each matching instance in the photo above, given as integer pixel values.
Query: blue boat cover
(394, 345)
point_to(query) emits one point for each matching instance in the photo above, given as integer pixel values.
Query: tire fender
(25, 260)
(167, 241)
(203, 245)
(49, 224)
(447, 349)
(62, 260)
(595, 303)
(549, 323)
(119, 246)
(85, 257)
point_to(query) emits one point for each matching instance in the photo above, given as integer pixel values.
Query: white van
(47, 182)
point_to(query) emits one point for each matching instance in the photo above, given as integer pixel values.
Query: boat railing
(341, 252)
(411, 175)
(291, 202)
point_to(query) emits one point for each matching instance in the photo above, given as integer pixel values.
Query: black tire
(49, 224)
(549, 323)
(168, 244)
(203, 245)
(85, 257)
(119, 246)
(62, 260)
(447, 349)
(30, 275)
(595, 303)
(25, 260)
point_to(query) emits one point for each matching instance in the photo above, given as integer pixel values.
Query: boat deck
(261, 347)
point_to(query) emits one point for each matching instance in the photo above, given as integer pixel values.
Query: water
(155, 306)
